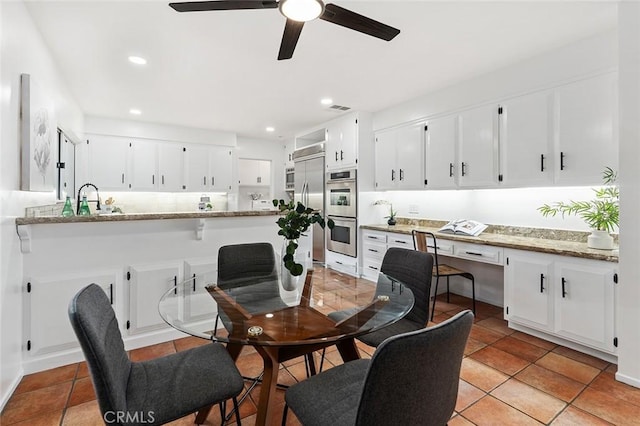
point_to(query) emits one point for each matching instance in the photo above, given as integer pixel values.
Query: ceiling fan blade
(201, 6)
(292, 30)
(346, 18)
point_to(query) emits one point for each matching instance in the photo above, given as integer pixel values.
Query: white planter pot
(288, 281)
(600, 240)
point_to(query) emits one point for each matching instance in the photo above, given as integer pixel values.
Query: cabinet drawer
(374, 237)
(478, 253)
(445, 247)
(371, 269)
(400, 240)
(373, 250)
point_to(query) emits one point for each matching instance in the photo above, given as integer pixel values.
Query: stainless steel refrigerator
(309, 188)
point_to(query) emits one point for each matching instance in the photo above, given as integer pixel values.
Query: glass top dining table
(281, 324)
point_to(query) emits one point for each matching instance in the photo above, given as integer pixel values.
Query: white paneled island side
(135, 258)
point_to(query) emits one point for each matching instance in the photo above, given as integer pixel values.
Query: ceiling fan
(297, 13)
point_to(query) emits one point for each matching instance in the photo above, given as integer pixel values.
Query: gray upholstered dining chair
(413, 268)
(412, 379)
(156, 391)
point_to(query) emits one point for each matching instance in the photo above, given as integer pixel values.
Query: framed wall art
(38, 138)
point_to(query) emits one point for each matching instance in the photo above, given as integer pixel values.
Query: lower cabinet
(147, 283)
(568, 297)
(46, 319)
(199, 273)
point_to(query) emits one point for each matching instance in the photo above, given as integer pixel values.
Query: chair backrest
(421, 243)
(413, 268)
(96, 327)
(239, 262)
(413, 377)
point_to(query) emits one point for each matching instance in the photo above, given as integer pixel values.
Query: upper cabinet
(143, 165)
(342, 143)
(398, 158)
(254, 172)
(478, 147)
(526, 136)
(441, 167)
(209, 168)
(171, 166)
(107, 158)
(586, 113)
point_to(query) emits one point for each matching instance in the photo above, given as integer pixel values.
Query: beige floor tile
(529, 400)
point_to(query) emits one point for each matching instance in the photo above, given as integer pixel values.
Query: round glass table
(283, 325)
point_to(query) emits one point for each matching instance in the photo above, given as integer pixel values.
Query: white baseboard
(628, 380)
(7, 395)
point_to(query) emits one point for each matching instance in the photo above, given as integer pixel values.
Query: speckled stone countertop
(139, 216)
(554, 241)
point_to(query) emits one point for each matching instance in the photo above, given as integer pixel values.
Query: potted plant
(391, 219)
(601, 213)
(295, 220)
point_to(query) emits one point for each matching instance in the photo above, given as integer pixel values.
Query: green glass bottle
(67, 210)
(84, 206)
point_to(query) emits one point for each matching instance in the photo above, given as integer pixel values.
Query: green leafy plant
(392, 213)
(296, 219)
(601, 214)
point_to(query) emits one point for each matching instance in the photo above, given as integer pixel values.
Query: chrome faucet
(97, 200)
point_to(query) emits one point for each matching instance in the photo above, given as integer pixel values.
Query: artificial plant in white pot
(601, 213)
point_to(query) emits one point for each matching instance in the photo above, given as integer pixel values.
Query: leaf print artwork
(41, 133)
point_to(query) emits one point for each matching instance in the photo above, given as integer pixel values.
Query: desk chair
(421, 243)
(162, 389)
(412, 379)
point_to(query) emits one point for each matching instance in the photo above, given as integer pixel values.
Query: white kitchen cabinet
(254, 172)
(171, 167)
(199, 273)
(209, 168)
(528, 289)
(526, 140)
(568, 297)
(47, 326)
(399, 153)
(441, 167)
(478, 147)
(374, 246)
(108, 158)
(143, 165)
(342, 143)
(66, 168)
(147, 283)
(586, 137)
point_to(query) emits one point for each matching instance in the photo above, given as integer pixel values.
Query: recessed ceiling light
(326, 101)
(135, 111)
(270, 129)
(137, 60)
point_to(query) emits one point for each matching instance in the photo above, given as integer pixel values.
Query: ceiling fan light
(301, 10)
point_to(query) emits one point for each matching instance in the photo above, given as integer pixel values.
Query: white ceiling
(218, 70)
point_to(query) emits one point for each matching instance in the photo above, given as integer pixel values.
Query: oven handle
(338, 181)
(338, 219)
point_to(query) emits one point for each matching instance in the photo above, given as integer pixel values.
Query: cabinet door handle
(541, 283)
(194, 282)
(374, 250)
(373, 267)
(111, 293)
(123, 178)
(450, 169)
(401, 174)
(463, 169)
(564, 291)
(542, 162)
(213, 181)
(175, 284)
(393, 175)
(341, 155)
(336, 155)
(561, 160)
(473, 253)
(400, 242)
(338, 262)
(204, 180)
(153, 179)
(163, 179)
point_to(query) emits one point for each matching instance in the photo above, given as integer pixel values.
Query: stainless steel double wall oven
(342, 207)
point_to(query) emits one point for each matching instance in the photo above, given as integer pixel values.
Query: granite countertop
(565, 243)
(115, 217)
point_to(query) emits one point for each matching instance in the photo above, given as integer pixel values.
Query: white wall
(628, 308)
(22, 51)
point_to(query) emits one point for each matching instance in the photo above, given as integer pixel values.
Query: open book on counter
(464, 226)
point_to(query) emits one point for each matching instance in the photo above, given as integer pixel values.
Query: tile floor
(507, 378)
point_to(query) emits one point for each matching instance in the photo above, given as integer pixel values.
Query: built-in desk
(556, 289)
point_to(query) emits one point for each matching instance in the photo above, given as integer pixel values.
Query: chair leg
(447, 289)
(284, 414)
(235, 408)
(223, 412)
(473, 294)
(435, 296)
(324, 351)
(310, 364)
